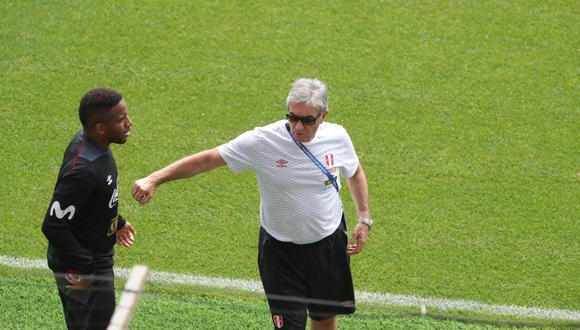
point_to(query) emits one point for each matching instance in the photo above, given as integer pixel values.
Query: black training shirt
(82, 219)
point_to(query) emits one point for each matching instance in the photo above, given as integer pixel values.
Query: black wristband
(121, 222)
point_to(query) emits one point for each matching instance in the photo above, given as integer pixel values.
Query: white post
(129, 298)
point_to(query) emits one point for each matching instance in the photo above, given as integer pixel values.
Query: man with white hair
(304, 253)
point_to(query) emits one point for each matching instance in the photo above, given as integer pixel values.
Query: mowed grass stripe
(361, 296)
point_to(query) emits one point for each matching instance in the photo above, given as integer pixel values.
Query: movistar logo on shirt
(56, 210)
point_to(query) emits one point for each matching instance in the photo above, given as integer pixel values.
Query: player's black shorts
(91, 308)
(313, 278)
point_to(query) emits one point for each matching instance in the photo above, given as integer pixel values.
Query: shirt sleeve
(70, 193)
(121, 222)
(240, 152)
(350, 157)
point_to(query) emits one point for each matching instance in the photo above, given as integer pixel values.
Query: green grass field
(464, 114)
(185, 307)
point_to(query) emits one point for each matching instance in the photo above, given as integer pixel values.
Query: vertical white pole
(129, 298)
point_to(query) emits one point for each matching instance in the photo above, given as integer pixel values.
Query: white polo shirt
(298, 202)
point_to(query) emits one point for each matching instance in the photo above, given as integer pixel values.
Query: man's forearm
(359, 192)
(189, 166)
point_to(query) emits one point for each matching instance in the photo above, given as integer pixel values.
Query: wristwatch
(366, 221)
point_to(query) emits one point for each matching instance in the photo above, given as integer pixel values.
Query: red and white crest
(329, 160)
(281, 163)
(278, 321)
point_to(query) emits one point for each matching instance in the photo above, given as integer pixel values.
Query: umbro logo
(109, 180)
(281, 163)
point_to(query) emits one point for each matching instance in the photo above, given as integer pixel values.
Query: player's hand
(143, 190)
(77, 281)
(126, 235)
(360, 236)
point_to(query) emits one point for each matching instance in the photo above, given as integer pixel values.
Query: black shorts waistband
(341, 228)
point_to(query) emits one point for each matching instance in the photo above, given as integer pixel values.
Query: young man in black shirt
(82, 222)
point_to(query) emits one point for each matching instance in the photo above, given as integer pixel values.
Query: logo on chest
(281, 163)
(114, 198)
(115, 195)
(329, 160)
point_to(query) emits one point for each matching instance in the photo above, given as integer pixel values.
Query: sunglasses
(306, 121)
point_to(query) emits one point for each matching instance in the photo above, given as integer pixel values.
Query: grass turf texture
(464, 114)
(29, 300)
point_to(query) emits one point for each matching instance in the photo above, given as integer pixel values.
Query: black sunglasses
(306, 121)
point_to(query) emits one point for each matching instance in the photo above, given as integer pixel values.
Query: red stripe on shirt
(81, 145)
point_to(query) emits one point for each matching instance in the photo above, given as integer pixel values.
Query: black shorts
(313, 278)
(91, 308)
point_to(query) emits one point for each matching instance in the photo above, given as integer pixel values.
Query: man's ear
(325, 114)
(100, 129)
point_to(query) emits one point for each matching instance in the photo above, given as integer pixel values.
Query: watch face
(367, 222)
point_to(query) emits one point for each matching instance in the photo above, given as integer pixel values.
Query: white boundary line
(361, 296)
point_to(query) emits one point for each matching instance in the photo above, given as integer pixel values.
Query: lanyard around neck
(324, 170)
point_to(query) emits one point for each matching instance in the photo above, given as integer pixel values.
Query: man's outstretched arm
(144, 189)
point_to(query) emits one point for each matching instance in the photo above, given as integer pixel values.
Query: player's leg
(283, 283)
(330, 280)
(74, 303)
(330, 323)
(102, 301)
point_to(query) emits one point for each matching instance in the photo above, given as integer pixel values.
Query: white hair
(313, 92)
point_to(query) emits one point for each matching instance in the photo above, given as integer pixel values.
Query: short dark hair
(96, 105)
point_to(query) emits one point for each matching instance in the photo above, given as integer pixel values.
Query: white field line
(361, 296)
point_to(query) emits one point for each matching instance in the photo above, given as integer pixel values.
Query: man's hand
(126, 235)
(143, 190)
(360, 235)
(77, 281)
